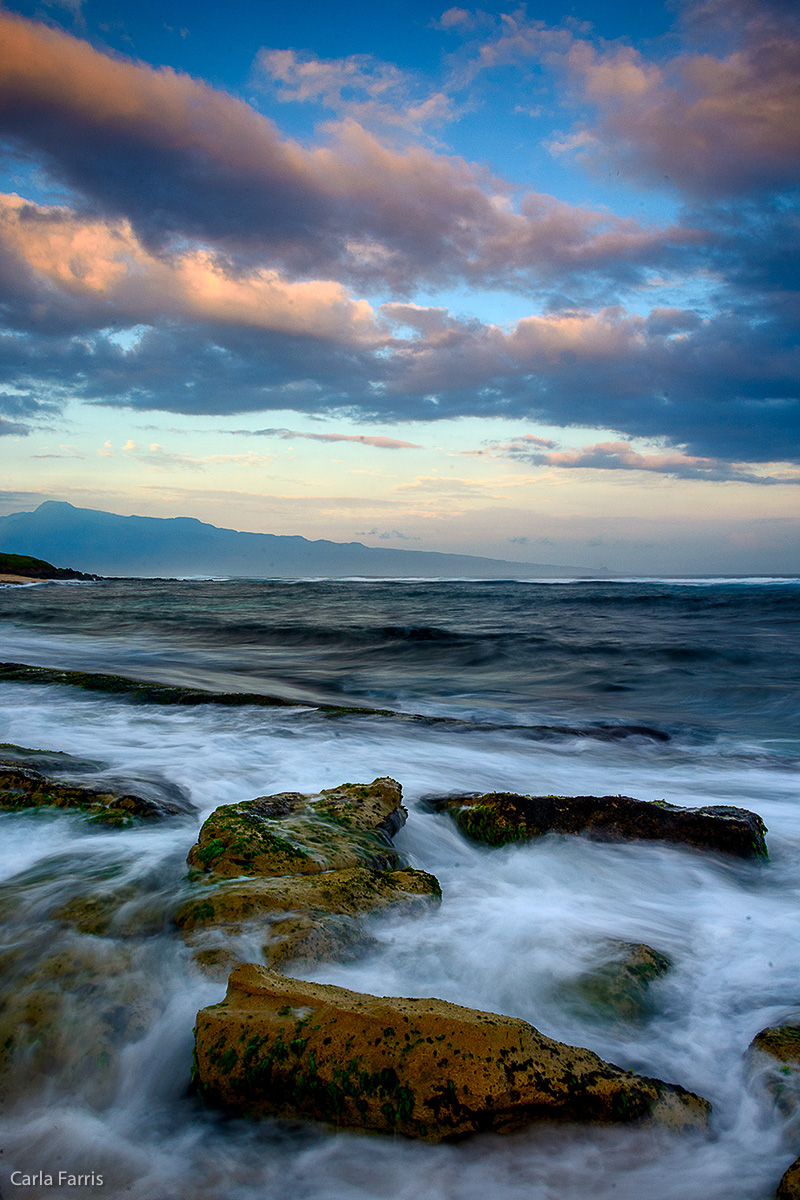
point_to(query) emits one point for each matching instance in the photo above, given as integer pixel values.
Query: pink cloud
(182, 161)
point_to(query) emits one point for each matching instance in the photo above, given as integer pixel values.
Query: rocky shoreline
(305, 871)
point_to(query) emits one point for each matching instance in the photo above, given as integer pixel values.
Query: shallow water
(710, 667)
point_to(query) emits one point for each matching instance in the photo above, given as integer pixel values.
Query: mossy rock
(308, 918)
(23, 788)
(69, 1016)
(498, 818)
(294, 834)
(424, 1068)
(308, 938)
(618, 989)
(774, 1057)
(354, 891)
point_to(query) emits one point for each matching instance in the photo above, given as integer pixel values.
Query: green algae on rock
(619, 988)
(424, 1068)
(294, 834)
(353, 891)
(22, 788)
(497, 818)
(309, 917)
(52, 779)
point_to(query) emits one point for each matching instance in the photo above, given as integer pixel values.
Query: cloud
(621, 456)
(379, 442)
(359, 87)
(387, 535)
(80, 272)
(182, 162)
(723, 121)
(12, 428)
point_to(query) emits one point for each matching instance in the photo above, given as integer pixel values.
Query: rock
(294, 834)
(789, 1186)
(619, 989)
(355, 891)
(217, 962)
(27, 781)
(501, 817)
(68, 1017)
(774, 1056)
(425, 1068)
(309, 917)
(306, 939)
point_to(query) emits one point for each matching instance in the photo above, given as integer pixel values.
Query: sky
(517, 282)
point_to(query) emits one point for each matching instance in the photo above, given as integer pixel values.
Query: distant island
(93, 541)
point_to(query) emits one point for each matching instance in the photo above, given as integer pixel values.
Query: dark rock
(497, 818)
(424, 1068)
(22, 788)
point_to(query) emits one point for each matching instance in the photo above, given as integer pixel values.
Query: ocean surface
(683, 690)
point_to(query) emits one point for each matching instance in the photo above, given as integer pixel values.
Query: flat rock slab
(424, 1068)
(355, 891)
(291, 833)
(497, 818)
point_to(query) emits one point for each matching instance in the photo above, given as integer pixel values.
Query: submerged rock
(774, 1056)
(354, 891)
(295, 834)
(619, 988)
(47, 779)
(21, 788)
(69, 1015)
(497, 818)
(425, 1068)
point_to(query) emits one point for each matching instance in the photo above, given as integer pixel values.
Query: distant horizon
(558, 571)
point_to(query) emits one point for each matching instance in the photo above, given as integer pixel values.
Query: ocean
(681, 690)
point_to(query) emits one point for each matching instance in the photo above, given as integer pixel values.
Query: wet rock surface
(497, 818)
(291, 834)
(300, 871)
(618, 989)
(424, 1068)
(789, 1186)
(51, 779)
(773, 1057)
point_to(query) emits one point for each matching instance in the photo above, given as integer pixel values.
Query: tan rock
(355, 891)
(789, 1186)
(424, 1068)
(308, 917)
(293, 834)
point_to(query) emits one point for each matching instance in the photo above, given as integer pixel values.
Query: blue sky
(520, 282)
